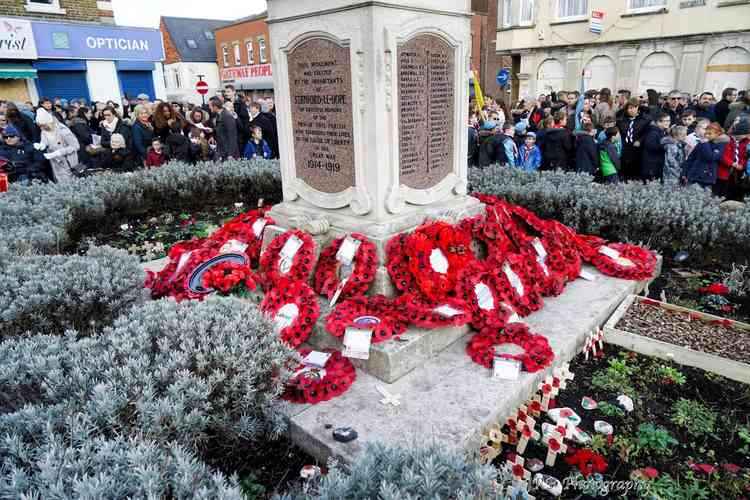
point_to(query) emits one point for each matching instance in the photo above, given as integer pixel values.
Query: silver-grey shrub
(50, 294)
(201, 375)
(666, 217)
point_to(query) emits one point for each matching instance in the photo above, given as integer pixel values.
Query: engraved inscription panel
(426, 92)
(320, 88)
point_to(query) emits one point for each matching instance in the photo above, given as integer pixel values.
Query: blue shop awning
(16, 70)
(134, 66)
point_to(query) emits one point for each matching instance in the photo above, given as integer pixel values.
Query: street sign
(201, 87)
(502, 77)
(597, 19)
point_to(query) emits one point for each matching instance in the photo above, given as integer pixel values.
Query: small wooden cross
(555, 445)
(512, 433)
(565, 373)
(535, 405)
(599, 338)
(528, 431)
(496, 435)
(388, 398)
(548, 392)
(517, 468)
(522, 413)
(488, 453)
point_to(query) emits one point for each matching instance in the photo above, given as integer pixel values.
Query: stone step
(449, 397)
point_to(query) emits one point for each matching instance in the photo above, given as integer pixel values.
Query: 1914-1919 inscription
(320, 88)
(426, 87)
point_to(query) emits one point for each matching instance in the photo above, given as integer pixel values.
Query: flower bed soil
(653, 397)
(681, 329)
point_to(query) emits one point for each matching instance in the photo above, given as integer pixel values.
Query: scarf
(110, 127)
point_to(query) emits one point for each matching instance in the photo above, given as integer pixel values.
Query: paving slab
(449, 397)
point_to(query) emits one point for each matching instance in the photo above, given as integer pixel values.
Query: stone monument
(371, 100)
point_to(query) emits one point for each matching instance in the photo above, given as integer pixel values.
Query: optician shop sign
(112, 43)
(16, 39)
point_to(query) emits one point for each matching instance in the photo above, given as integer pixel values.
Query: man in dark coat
(587, 153)
(632, 127)
(24, 125)
(557, 148)
(721, 110)
(243, 116)
(227, 143)
(267, 123)
(704, 108)
(22, 162)
(652, 164)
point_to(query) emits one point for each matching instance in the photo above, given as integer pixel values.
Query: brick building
(72, 49)
(485, 60)
(243, 51)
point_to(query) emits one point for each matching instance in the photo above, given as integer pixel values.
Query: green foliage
(599, 444)
(665, 217)
(617, 377)
(406, 473)
(611, 410)
(743, 433)
(669, 375)
(737, 280)
(251, 489)
(665, 487)
(651, 439)
(695, 418)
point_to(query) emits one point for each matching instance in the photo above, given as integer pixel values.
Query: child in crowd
(698, 135)
(703, 163)
(155, 157)
(652, 162)
(608, 122)
(511, 150)
(118, 157)
(733, 161)
(687, 118)
(609, 156)
(674, 153)
(199, 148)
(587, 159)
(257, 147)
(177, 144)
(529, 155)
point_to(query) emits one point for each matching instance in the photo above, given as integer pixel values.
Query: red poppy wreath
(333, 269)
(247, 228)
(437, 252)
(537, 354)
(229, 277)
(429, 315)
(293, 307)
(310, 385)
(377, 313)
(488, 230)
(476, 287)
(397, 263)
(625, 261)
(172, 280)
(289, 256)
(516, 284)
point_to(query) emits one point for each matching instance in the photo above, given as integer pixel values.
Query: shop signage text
(242, 72)
(16, 39)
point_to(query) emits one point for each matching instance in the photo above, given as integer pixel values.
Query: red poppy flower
(315, 385)
(427, 314)
(378, 313)
(271, 265)
(731, 468)
(707, 469)
(300, 305)
(714, 289)
(587, 461)
(364, 266)
(537, 353)
(228, 277)
(631, 262)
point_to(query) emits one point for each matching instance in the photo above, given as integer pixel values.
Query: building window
(262, 49)
(44, 6)
(507, 12)
(209, 35)
(572, 8)
(250, 55)
(237, 55)
(177, 80)
(192, 44)
(646, 5)
(225, 55)
(527, 12)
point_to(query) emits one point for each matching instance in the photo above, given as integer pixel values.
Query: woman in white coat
(59, 146)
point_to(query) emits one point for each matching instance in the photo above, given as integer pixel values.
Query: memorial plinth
(371, 103)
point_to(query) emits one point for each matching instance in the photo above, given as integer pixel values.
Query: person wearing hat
(734, 161)
(59, 146)
(529, 154)
(22, 162)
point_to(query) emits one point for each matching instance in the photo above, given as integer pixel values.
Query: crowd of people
(674, 138)
(58, 140)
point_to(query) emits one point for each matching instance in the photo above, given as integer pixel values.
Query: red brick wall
(492, 63)
(243, 33)
(171, 55)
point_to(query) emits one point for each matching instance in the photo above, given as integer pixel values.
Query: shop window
(237, 55)
(250, 55)
(262, 49)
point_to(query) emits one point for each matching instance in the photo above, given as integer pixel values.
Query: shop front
(255, 80)
(17, 54)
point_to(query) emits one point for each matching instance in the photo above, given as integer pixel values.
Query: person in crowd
(59, 145)
(697, 136)
(654, 106)
(24, 125)
(243, 116)
(112, 124)
(609, 121)
(267, 123)
(177, 144)
(200, 150)
(571, 110)
(587, 153)
(3, 121)
(740, 107)
(536, 113)
(156, 156)
(557, 147)
(163, 118)
(257, 147)
(652, 162)
(510, 149)
(632, 128)
(529, 155)
(733, 161)
(721, 110)
(144, 100)
(143, 133)
(118, 156)
(23, 163)
(604, 108)
(197, 118)
(225, 129)
(687, 119)
(623, 96)
(519, 133)
(704, 108)
(488, 143)
(79, 125)
(473, 150)
(674, 153)
(49, 106)
(702, 165)
(609, 156)
(548, 123)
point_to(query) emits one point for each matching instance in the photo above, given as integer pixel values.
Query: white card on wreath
(514, 317)
(438, 261)
(182, 262)
(313, 371)
(233, 246)
(587, 275)
(447, 311)
(348, 250)
(258, 226)
(357, 343)
(286, 316)
(316, 359)
(291, 247)
(609, 252)
(540, 250)
(484, 297)
(506, 369)
(515, 281)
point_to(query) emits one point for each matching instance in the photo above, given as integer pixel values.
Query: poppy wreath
(488, 230)
(310, 387)
(641, 266)
(229, 277)
(302, 263)
(433, 239)
(379, 313)
(482, 315)
(524, 303)
(549, 282)
(562, 248)
(173, 280)
(241, 228)
(427, 314)
(365, 264)
(397, 263)
(301, 295)
(537, 353)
